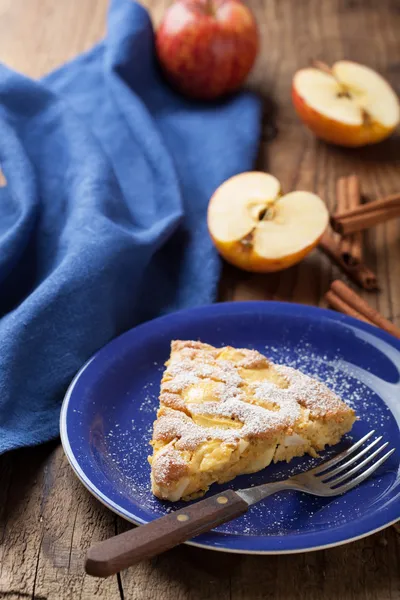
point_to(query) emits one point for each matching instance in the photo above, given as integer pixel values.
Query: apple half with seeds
(256, 228)
(347, 105)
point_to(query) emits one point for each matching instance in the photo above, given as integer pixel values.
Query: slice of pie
(226, 411)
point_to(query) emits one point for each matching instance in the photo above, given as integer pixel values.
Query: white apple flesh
(257, 229)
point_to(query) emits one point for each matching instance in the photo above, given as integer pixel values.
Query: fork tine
(333, 461)
(351, 484)
(357, 468)
(326, 476)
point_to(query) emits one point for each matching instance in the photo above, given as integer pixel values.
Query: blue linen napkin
(102, 221)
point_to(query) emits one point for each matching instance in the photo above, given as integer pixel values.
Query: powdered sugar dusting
(310, 393)
(182, 379)
(223, 370)
(263, 408)
(228, 391)
(169, 465)
(176, 425)
(330, 370)
(257, 420)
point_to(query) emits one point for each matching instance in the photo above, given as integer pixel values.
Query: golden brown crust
(168, 466)
(178, 345)
(253, 360)
(174, 401)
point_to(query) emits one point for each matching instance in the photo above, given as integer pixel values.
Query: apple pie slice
(226, 411)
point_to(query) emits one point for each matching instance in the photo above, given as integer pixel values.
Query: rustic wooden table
(47, 518)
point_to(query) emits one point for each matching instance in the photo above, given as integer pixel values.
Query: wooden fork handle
(124, 550)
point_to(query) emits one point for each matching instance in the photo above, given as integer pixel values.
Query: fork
(124, 550)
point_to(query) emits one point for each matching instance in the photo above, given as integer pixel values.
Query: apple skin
(335, 132)
(246, 259)
(207, 47)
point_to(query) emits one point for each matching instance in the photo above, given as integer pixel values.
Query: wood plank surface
(47, 518)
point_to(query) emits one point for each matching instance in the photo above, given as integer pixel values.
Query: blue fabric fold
(103, 218)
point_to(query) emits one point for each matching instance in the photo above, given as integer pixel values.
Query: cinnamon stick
(361, 222)
(366, 215)
(348, 196)
(358, 272)
(393, 200)
(342, 205)
(341, 306)
(343, 298)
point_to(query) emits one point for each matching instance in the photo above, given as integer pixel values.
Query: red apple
(207, 47)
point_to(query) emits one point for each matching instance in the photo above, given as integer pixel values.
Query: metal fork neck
(257, 493)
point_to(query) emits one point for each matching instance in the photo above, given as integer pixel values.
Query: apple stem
(210, 7)
(319, 64)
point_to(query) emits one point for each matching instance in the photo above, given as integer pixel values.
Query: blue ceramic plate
(107, 417)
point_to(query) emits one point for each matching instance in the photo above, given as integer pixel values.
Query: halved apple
(347, 105)
(256, 228)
